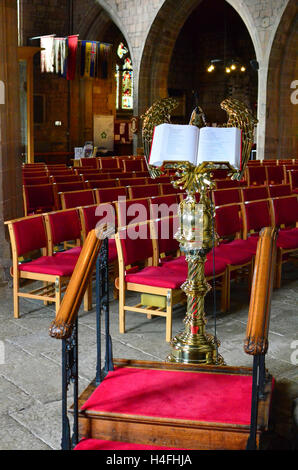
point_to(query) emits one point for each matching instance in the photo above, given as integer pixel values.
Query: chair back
(256, 175)
(136, 192)
(255, 193)
(164, 230)
(164, 206)
(256, 215)
(278, 190)
(91, 215)
(275, 174)
(63, 226)
(38, 198)
(228, 221)
(285, 211)
(130, 210)
(226, 196)
(27, 234)
(77, 198)
(110, 194)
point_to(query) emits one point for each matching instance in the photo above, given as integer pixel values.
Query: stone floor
(30, 371)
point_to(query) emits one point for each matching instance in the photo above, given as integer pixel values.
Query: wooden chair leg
(16, 306)
(169, 316)
(121, 309)
(58, 293)
(45, 283)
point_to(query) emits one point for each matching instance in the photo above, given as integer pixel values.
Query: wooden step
(173, 405)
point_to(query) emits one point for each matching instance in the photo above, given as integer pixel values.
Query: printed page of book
(174, 142)
(220, 144)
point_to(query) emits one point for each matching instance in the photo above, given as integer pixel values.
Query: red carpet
(183, 395)
(96, 444)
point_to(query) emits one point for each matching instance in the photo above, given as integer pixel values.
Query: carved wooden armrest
(256, 341)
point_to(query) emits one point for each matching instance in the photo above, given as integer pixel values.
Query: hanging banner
(103, 56)
(103, 131)
(47, 53)
(71, 60)
(59, 55)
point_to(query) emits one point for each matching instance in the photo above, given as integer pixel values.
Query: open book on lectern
(180, 142)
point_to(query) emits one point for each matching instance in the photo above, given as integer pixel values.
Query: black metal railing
(70, 367)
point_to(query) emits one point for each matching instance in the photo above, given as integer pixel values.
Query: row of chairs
(237, 226)
(137, 163)
(46, 197)
(284, 161)
(257, 175)
(252, 193)
(85, 175)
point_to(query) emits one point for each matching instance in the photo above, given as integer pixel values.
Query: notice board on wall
(103, 131)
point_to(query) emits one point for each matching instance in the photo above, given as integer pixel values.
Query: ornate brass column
(194, 345)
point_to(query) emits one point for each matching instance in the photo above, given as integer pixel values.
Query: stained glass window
(124, 80)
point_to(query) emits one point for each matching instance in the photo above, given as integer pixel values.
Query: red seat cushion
(56, 265)
(180, 264)
(232, 254)
(288, 239)
(159, 276)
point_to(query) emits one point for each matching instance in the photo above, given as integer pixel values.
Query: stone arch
(161, 40)
(99, 17)
(282, 121)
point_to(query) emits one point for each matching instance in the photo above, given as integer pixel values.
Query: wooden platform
(172, 431)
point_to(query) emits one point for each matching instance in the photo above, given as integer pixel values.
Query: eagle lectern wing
(158, 113)
(240, 116)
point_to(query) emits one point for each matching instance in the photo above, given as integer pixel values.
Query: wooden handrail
(61, 327)
(256, 341)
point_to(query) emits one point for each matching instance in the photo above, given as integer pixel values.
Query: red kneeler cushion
(199, 396)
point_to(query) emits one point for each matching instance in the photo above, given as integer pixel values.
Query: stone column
(10, 154)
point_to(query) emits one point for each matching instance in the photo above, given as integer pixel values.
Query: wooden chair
(96, 214)
(278, 190)
(293, 179)
(133, 165)
(98, 184)
(256, 175)
(129, 210)
(275, 175)
(38, 198)
(254, 193)
(162, 206)
(238, 254)
(285, 216)
(136, 192)
(90, 162)
(226, 196)
(151, 279)
(110, 194)
(28, 235)
(133, 181)
(33, 180)
(77, 198)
